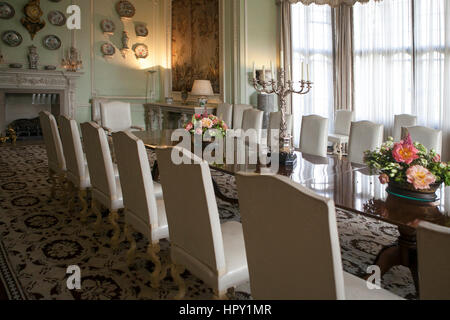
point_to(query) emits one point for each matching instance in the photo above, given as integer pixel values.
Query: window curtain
(343, 61)
(432, 66)
(312, 44)
(383, 58)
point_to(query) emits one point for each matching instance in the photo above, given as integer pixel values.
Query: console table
(156, 114)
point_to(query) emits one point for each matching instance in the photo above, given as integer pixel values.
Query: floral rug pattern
(40, 238)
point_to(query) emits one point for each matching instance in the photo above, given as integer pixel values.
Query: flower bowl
(407, 191)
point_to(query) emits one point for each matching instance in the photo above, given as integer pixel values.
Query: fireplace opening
(22, 112)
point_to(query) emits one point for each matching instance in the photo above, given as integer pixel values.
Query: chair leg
(51, 175)
(176, 271)
(82, 195)
(156, 276)
(96, 209)
(131, 254)
(220, 295)
(113, 216)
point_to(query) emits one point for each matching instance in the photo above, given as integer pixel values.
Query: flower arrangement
(201, 123)
(408, 164)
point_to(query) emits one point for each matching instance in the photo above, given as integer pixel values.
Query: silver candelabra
(283, 88)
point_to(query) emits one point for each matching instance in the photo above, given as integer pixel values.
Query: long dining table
(353, 188)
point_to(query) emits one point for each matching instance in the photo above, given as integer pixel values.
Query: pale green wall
(127, 77)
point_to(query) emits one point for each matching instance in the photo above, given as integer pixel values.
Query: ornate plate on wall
(107, 26)
(52, 42)
(125, 9)
(141, 51)
(56, 18)
(141, 30)
(12, 38)
(108, 50)
(6, 10)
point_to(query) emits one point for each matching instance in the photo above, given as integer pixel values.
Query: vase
(407, 191)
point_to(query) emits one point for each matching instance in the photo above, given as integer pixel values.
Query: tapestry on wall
(195, 43)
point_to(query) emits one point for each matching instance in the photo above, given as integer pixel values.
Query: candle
(254, 70)
(281, 59)
(271, 70)
(307, 72)
(264, 74)
(303, 74)
(289, 73)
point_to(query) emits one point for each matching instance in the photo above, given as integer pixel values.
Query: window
(312, 43)
(399, 51)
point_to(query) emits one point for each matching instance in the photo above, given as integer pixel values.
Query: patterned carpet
(39, 239)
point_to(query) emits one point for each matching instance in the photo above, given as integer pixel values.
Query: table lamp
(202, 88)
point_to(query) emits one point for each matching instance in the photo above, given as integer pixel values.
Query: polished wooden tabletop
(352, 187)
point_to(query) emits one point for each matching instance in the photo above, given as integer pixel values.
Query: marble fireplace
(39, 83)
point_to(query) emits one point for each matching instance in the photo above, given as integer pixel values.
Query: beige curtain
(284, 16)
(343, 57)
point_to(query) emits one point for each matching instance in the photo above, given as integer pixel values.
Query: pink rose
(437, 158)
(215, 121)
(198, 116)
(384, 178)
(199, 131)
(189, 126)
(404, 151)
(420, 177)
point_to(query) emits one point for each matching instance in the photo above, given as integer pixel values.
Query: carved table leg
(155, 171)
(403, 253)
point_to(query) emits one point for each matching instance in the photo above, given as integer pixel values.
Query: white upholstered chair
(275, 124)
(55, 153)
(314, 135)
(342, 123)
(225, 113)
(400, 121)
(364, 135)
(106, 188)
(143, 211)
(309, 266)
(433, 255)
(77, 170)
(213, 252)
(238, 114)
(116, 116)
(430, 138)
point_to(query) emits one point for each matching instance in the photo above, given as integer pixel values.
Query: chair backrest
(433, 243)
(116, 115)
(402, 120)
(278, 213)
(252, 119)
(99, 159)
(225, 113)
(191, 209)
(430, 138)
(314, 135)
(364, 135)
(135, 179)
(52, 140)
(73, 150)
(275, 123)
(343, 121)
(238, 114)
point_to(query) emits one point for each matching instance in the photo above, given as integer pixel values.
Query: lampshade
(202, 88)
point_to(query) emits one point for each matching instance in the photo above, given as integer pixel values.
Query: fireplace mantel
(39, 81)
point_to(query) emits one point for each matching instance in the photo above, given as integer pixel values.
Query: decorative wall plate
(108, 50)
(12, 38)
(32, 20)
(141, 51)
(52, 42)
(107, 26)
(56, 18)
(141, 30)
(6, 10)
(125, 9)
